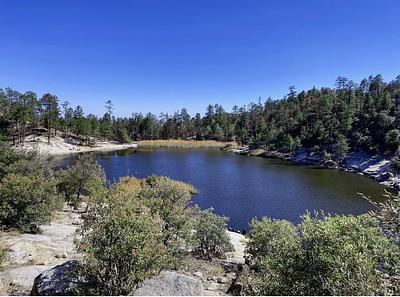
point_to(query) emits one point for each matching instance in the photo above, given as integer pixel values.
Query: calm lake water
(243, 187)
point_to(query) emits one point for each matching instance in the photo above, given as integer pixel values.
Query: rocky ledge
(376, 167)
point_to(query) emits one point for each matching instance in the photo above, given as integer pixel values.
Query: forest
(352, 116)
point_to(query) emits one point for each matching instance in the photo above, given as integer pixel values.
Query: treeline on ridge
(364, 116)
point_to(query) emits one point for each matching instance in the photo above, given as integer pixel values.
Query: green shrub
(34, 166)
(9, 156)
(275, 250)
(123, 244)
(123, 136)
(388, 214)
(395, 165)
(27, 202)
(169, 200)
(332, 255)
(84, 177)
(210, 237)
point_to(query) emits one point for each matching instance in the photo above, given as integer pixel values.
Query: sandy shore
(59, 147)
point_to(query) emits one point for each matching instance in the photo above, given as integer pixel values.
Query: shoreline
(372, 166)
(59, 147)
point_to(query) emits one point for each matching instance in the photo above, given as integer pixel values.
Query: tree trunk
(48, 130)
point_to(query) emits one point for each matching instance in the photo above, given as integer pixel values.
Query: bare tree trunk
(48, 127)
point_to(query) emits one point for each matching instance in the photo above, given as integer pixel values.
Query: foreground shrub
(169, 200)
(27, 202)
(123, 245)
(275, 249)
(388, 213)
(9, 156)
(334, 255)
(84, 177)
(35, 166)
(210, 238)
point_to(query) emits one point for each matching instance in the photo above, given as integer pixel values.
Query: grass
(132, 185)
(184, 144)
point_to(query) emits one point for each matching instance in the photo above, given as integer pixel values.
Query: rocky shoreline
(376, 167)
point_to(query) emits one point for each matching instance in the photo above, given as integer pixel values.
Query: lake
(243, 187)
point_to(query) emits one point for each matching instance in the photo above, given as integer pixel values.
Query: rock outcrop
(31, 254)
(61, 280)
(170, 283)
(376, 167)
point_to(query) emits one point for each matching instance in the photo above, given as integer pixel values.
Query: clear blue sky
(162, 55)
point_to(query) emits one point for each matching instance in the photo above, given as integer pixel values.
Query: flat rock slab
(239, 244)
(31, 254)
(170, 283)
(18, 281)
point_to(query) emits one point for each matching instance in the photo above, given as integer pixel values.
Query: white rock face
(239, 242)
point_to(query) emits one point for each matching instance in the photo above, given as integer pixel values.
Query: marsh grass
(133, 185)
(184, 144)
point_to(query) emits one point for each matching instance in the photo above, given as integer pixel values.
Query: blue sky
(160, 56)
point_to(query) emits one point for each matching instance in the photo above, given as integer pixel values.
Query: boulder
(170, 283)
(59, 280)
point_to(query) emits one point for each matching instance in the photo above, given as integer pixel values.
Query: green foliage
(84, 177)
(169, 200)
(351, 117)
(27, 202)
(392, 140)
(123, 136)
(275, 249)
(395, 164)
(210, 238)
(388, 214)
(31, 164)
(8, 156)
(133, 231)
(341, 147)
(332, 255)
(123, 245)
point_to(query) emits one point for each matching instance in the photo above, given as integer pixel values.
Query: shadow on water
(244, 187)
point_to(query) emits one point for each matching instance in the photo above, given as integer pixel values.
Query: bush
(392, 140)
(388, 214)
(275, 250)
(34, 166)
(27, 202)
(9, 156)
(84, 177)
(395, 165)
(123, 244)
(123, 136)
(335, 255)
(169, 200)
(210, 238)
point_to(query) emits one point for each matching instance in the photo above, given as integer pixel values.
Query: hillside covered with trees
(357, 117)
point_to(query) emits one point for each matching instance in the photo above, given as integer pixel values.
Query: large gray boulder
(59, 280)
(170, 283)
